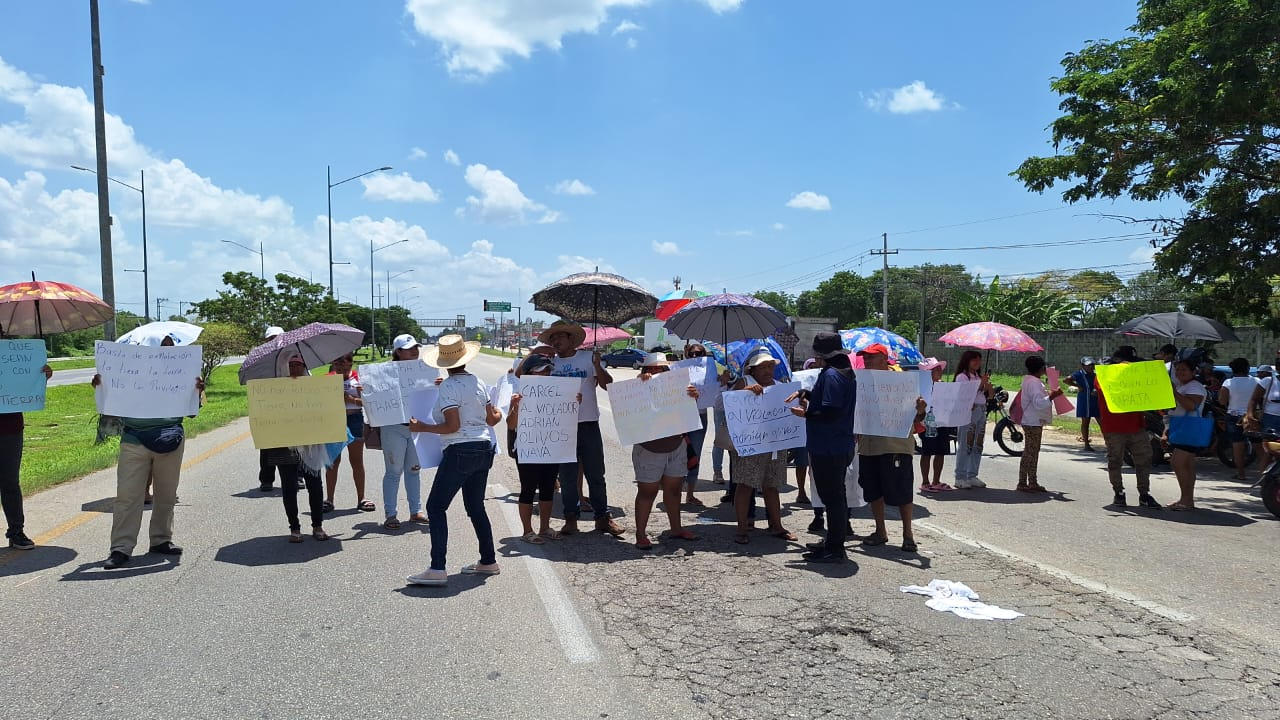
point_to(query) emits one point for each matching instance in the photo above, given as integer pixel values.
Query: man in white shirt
(565, 338)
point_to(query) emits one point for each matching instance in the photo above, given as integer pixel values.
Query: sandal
(908, 545)
(741, 538)
(295, 537)
(644, 543)
(326, 506)
(942, 487)
(419, 518)
(533, 538)
(784, 534)
(366, 506)
(874, 540)
(685, 535)
(392, 523)
(694, 502)
(319, 534)
(1179, 506)
(550, 534)
(927, 489)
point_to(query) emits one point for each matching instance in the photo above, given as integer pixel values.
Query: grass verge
(72, 364)
(497, 353)
(59, 439)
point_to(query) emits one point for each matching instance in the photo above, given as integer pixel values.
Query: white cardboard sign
(386, 387)
(953, 402)
(659, 407)
(886, 405)
(763, 423)
(702, 375)
(547, 426)
(147, 382)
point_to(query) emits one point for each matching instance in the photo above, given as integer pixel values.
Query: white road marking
(574, 639)
(1084, 582)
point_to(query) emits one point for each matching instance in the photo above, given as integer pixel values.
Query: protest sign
(1135, 387)
(547, 425)
(659, 407)
(500, 394)
(926, 386)
(702, 375)
(385, 388)
(421, 405)
(886, 404)
(806, 378)
(763, 423)
(1061, 404)
(287, 412)
(953, 402)
(22, 382)
(147, 382)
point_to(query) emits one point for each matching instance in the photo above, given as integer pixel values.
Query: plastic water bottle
(930, 425)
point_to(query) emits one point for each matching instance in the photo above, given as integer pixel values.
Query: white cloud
(1144, 253)
(779, 226)
(451, 157)
(573, 187)
(626, 26)
(911, 98)
(417, 153)
(809, 200)
(632, 44)
(666, 248)
(398, 188)
(723, 6)
(500, 199)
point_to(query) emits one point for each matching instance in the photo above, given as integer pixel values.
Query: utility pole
(884, 280)
(104, 203)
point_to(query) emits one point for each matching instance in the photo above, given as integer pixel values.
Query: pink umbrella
(604, 336)
(991, 336)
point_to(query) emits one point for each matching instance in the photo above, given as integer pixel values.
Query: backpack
(1015, 409)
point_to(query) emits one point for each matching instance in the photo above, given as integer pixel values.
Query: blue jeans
(465, 467)
(400, 458)
(697, 438)
(591, 456)
(968, 459)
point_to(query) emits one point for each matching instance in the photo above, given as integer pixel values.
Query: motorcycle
(1270, 480)
(1007, 433)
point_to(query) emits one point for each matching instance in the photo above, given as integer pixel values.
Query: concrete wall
(805, 328)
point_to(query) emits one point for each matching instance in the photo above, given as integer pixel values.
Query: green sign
(492, 306)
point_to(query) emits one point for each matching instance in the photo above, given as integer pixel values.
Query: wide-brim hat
(930, 363)
(577, 335)
(656, 359)
(450, 351)
(759, 357)
(827, 345)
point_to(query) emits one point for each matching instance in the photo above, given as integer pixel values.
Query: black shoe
(1119, 500)
(1145, 500)
(19, 541)
(822, 556)
(266, 487)
(816, 546)
(302, 484)
(803, 500)
(115, 560)
(817, 526)
(166, 548)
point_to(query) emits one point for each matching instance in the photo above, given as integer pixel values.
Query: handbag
(372, 437)
(1191, 430)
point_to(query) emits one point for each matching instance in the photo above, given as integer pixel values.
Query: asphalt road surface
(84, 375)
(1128, 614)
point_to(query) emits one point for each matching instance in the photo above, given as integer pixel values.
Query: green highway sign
(494, 306)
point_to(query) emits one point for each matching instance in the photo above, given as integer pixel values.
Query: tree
(219, 342)
(245, 304)
(784, 303)
(1184, 109)
(1024, 305)
(844, 296)
(1096, 291)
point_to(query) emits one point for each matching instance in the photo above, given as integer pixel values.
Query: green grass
(59, 444)
(72, 364)
(497, 353)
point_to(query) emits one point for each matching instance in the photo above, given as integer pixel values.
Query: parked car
(626, 357)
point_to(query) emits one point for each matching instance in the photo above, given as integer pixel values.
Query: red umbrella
(674, 301)
(991, 336)
(603, 336)
(36, 308)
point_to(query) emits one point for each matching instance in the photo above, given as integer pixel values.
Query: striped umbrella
(39, 307)
(991, 336)
(672, 302)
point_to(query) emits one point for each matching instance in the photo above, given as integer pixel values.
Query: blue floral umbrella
(903, 350)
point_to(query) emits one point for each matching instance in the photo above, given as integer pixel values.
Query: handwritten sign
(387, 386)
(763, 423)
(659, 407)
(926, 386)
(547, 427)
(1061, 404)
(287, 412)
(500, 394)
(1135, 387)
(702, 375)
(147, 382)
(953, 402)
(886, 404)
(22, 382)
(806, 378)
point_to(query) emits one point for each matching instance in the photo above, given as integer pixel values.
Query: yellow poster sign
(285, 412)
(1134, 387)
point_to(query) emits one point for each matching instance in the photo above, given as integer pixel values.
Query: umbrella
(36, 308)
(726, 317)
(604, 335)
(595, 297)
(991, 336)
(319, 343)
(154, 333)
(740, 350)
(903, 349)
(1178, 325)
(673, 301)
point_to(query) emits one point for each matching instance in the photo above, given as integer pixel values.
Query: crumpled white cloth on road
(958, 598)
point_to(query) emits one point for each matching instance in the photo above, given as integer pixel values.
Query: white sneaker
(961, 484)
(976, 483)
(481, 569)
(429, 577)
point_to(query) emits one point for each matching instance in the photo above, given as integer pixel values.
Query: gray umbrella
(725, 318)
(1178, 325)
(596, 298)
(319, 344)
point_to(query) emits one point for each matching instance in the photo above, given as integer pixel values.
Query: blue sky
(739, 144)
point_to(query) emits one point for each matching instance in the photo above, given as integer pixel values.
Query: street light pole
(100, 147)
(390, 277)
(328, 179)
(373, 304)
(142, 190)
(262, 273)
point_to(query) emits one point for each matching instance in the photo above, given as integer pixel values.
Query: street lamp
(373, 304)
(391, 277)
(400, 294)
(328, 177)
(141, 189)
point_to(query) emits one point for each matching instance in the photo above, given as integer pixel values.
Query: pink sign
(1061, 404)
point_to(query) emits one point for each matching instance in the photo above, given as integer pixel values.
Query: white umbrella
(152, 334)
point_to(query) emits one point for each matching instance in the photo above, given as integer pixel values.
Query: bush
(219, 342)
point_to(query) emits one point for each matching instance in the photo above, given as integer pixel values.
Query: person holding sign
(11, 427)
(535, 478)
(294, 472)
(1037, 411)
(565, 337)
(1126, 432)
(969, 442)
(828, 413)
(764, 472)
(660, 464)
(934, 448)
(267, 471)
(398, 453)
(463, 402)
(697, 438)
(355, 425)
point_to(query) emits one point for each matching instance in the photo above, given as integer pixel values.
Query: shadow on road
(999, 496)
(147, 564)
(458, 584)
(367, 530)
(42, 557)
(276, 550)
(1202, 515)
(102, 505)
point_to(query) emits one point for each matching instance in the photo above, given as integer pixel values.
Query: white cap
(273, 331)
(404, 342)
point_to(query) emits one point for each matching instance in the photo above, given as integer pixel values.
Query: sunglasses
(696, 354)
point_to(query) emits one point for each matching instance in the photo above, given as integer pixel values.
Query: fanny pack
(160, 440)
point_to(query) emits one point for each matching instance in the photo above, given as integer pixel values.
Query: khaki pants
(1139, 446)
(137, 465)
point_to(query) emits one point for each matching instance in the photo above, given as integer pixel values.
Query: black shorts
(355, 425)
(887, 477)
(940, 444)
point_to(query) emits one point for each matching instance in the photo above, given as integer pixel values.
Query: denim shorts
(355, 424)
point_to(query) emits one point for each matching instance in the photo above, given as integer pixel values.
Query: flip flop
(533, 539)
(741, 538)
(326, 506)
(550, 534)
(295, 537)
(391, 524)
(874, 540)
(942, 487)
(366, 506)
(319, 534)
(927, 489)
(644, 543)
(784, 534)
(685, 535)
(695, 502)
(1179, 506)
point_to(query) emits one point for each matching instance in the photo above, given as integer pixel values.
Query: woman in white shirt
(1188, 399)
(1236, 394)
(1266, 399)
(1037, 411)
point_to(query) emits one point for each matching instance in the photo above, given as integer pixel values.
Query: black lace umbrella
(595, 298)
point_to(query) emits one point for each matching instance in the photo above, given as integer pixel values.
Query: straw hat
(577, 335)
(655, 360)
(450, 351)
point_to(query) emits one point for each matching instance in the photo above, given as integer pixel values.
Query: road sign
(495, 306)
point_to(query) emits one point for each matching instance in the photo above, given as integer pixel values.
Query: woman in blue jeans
(399, 456)
(468, 415)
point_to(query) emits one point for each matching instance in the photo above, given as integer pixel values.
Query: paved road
(1128, 615)
(84, 375)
